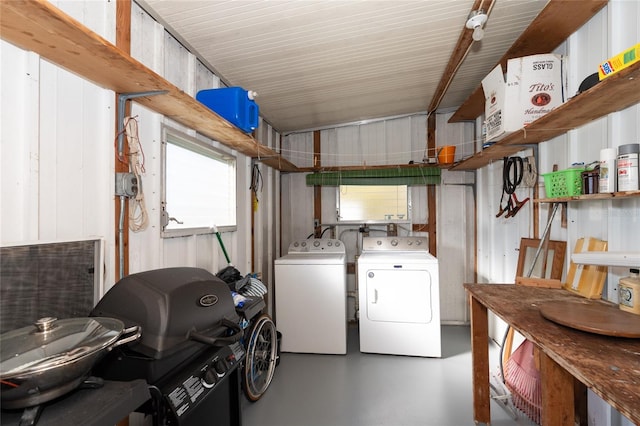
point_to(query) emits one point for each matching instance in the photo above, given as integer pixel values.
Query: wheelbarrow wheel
(260, 362)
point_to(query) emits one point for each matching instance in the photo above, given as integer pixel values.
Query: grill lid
(170, 305)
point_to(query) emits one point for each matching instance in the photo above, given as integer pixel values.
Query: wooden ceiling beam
(458, 54)
(553, 25)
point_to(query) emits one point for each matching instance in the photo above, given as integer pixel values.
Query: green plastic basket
(563, 183)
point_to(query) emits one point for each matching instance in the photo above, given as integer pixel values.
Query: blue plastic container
(233, 104)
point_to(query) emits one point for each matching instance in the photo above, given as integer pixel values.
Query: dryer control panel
(317, 245)
(370, 244)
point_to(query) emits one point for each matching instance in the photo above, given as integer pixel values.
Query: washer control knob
(329, 243)
(394, 242)
(303, 244)
(410, 243)
(316, 243)
(337, 243)
(379, 242)
(418, 242)
(296, 244)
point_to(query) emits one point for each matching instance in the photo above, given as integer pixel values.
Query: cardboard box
(619, 62)
(534, 85)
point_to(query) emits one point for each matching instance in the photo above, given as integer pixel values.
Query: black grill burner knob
(210, 378)
(221, 367)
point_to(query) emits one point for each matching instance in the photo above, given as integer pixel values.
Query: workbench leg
(557, 394)
(480, 356)
(580, 402)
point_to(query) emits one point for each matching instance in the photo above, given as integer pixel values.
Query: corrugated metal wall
(392, 141)
(57, 146)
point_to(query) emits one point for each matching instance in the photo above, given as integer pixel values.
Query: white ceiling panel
(318, 63)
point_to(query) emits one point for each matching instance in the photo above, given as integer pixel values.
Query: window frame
(406, 220)
(188, 142)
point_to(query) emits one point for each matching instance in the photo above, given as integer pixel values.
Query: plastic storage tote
(234, 104)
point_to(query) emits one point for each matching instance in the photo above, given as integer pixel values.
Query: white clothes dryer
(311, 297)
(399, 297)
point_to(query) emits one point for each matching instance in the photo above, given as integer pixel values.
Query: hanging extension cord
(138, 217)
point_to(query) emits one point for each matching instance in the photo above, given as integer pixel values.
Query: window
(373, 203)
(199, 189)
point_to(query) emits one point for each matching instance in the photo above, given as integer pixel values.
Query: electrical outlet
(126, 185)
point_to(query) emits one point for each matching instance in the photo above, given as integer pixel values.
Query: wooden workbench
(609, 366)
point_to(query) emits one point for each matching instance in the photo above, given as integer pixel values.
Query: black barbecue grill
(190, 348)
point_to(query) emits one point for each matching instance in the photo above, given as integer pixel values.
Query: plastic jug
(234, 104)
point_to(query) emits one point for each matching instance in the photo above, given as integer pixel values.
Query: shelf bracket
(122, 99)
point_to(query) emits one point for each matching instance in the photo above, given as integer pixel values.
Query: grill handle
(219, 341)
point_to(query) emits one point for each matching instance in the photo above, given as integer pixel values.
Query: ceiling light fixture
(475, 22)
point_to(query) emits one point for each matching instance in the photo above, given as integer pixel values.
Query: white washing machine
(399, 297)
(311, 297)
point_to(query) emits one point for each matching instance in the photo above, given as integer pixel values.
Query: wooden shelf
(612, 94)
(590, 197)
(38, 26)
(553, 25)
(356, 167)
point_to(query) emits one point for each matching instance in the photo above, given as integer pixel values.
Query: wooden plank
(366, 167)
(488, 155)
(458, 55)
(432, 220)
(557, 394)
(587, 280)
(580, 403)
(612, 94)
(317, 189)
(539, 282)
(480, 360)
(38, 26)
(123, 42)
(553, 25)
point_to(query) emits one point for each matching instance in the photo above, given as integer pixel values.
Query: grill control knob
(210, 378)
(220, 367)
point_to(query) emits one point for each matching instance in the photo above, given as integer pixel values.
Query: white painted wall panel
(61, 156)
(19, 156)
(460, 135)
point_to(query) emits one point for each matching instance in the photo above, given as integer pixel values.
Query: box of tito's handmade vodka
(532, 86)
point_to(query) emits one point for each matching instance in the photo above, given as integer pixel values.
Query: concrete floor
(368, 389)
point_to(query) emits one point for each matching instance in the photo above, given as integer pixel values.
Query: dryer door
(399, 295)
